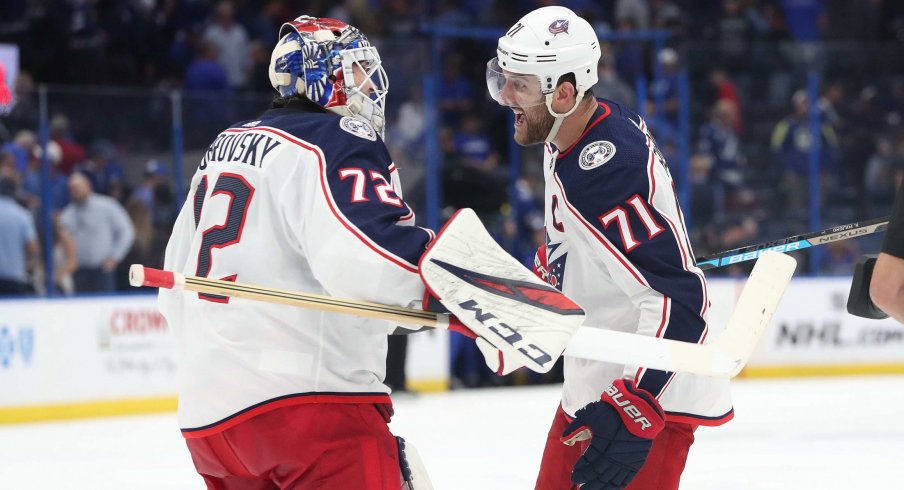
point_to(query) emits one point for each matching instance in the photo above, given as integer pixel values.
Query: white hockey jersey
(616, 244)
(300, 201)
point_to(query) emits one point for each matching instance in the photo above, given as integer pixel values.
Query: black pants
(93, 280)
(395, 362)
(11, 287)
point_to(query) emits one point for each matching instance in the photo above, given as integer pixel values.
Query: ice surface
(831, 433)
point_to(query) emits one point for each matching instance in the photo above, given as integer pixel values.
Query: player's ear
(565, 91)
(564, 96)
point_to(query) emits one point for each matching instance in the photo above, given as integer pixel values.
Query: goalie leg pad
(414, 473)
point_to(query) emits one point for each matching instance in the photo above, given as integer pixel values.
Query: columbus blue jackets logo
(558, 27)
(358, 128)
(596, 154)
(554, 273)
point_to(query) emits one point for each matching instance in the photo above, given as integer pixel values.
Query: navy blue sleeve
(364, 185)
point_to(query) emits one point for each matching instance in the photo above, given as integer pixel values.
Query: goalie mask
(535, 52)
(332, 64)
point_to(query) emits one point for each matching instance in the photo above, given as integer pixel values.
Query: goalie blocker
(496, 297)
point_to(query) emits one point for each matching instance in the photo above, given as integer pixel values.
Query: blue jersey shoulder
(338, 138)
(614, 137)
(610, 161)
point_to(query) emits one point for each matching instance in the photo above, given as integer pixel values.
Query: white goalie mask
(332, 64)
(535, 52)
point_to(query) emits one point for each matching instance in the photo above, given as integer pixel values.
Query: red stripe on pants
(662, 470)
(323, 445)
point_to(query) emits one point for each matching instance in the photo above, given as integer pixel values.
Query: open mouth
(519, 117)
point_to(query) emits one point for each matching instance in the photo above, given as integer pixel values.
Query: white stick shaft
(725, 356)
(640, 350)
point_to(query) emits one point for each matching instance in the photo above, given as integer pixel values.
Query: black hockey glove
(621, 427)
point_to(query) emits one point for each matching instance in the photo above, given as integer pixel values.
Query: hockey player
(616, 243)
(304, 197)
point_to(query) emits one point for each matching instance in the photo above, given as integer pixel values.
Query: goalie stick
(723, 356)
(793, 243)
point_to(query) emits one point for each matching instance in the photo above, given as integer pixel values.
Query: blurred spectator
(143, 249)
(878, 182)
(806, 19)
(264, 26)
(449, 12)
(719, 144)
(470, 174)
(666, 89)
(408, 131)
(8, 165)
(21, 148)
(629, 59)
(666, 14)
(832, 98)
(86, 42)
(102, 232)
(635, 11)
(106, 174)
(65, 258)
(73, 152)
(259, 80)
(153, 192)
(404, 14)
(65, 262)
(18, 240)
(455, 92)
(205, 73)
(231, 41)
(791, 139)
(727, 91)
(609, 85)
(472, 145)
(734, 31)
(34, 184)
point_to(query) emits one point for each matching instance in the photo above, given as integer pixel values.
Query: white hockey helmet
(540, 48)
(332, 64)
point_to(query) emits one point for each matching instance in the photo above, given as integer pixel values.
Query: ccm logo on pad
(506, 332)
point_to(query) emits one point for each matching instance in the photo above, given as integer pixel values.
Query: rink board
(100, 356)
(812, 333)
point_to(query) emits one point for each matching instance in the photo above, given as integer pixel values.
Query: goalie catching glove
(498, 299)
(621, 427)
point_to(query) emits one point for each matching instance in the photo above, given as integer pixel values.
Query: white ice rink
(833, 433)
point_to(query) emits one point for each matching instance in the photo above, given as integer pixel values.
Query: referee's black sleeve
(894, 237)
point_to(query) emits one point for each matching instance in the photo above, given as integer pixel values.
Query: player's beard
(537, 124)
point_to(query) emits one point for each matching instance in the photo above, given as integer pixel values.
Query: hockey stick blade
(793, 243)
(724, 356)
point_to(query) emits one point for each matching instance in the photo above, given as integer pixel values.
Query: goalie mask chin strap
(560, 117)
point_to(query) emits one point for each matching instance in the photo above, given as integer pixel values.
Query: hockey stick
(793, 243)
(724, 356)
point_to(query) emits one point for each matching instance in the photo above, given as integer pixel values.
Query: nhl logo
(596, 154)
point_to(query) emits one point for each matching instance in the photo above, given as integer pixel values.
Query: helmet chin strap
(559, 117)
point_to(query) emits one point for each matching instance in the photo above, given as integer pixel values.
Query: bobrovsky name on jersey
(245, 148)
